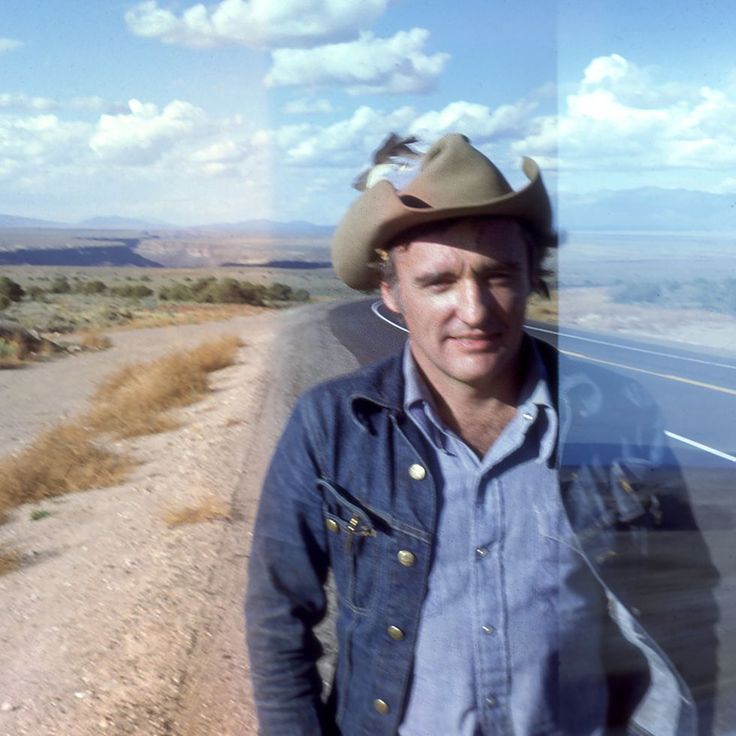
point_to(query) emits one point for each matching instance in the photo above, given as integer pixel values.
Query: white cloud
(143, 134)
(340, 144)
(478, 122)
(255, 23)
(21, 101)
(33, 144)
(9, 44)
(625, 117)
(307, 106)
(368, 65)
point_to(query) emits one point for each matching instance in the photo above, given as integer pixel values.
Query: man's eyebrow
(432, 277)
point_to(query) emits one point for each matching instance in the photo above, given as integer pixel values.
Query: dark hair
(538, 250)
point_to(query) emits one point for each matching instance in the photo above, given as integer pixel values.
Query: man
(504, 542)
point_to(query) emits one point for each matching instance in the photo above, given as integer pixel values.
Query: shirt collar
(534, 398)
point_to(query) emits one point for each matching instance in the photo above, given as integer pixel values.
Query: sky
(232, 110)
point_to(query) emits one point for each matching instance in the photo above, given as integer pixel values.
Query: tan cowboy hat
(455, 180)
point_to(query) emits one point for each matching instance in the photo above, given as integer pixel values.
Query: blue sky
(238, 109)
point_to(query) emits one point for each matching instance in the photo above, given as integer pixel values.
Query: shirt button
(417, 471)
(481, 551)
(332, 525)
(381, 706)
(491, 701)
(488, 629)
(527, 416)
(406, 558)
(395, 633)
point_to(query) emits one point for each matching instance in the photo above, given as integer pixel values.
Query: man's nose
(474, 303)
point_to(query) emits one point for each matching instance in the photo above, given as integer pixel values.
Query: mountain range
(642, 209)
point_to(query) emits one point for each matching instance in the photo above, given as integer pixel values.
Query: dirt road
(117, 623)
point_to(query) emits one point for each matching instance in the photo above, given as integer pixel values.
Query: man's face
(462, 292)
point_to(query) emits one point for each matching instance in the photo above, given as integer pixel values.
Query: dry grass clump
(95, 341)
(10, 560)
(134, 400)
(62, 459)
(209, 509)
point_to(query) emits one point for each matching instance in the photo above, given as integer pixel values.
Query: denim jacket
(350, 490)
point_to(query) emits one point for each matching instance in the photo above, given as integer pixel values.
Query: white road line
(701, 446)
(375, 307)
(638, 350)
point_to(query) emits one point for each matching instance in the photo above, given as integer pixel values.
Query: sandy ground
(99, 627)
(592, 309)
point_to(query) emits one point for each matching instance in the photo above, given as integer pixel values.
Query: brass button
(417, 471)
(395, 633)
(332, 525)
(626, 485)
(381, 706)
(406, 558)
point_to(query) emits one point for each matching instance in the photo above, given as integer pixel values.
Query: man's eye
(501, 278)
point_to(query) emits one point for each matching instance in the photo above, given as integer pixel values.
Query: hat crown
(453, 173)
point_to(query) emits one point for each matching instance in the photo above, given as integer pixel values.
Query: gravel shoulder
(117, 623)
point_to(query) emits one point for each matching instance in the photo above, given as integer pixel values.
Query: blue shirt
(509, 640)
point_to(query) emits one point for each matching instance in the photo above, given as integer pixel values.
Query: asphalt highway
(696, 393)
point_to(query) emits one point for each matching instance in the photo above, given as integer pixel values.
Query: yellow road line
(712, 387)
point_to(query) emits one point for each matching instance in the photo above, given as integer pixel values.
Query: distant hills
(642, 209)
(294, 228)
(648, 209)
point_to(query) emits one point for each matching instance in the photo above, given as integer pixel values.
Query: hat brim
(381, 213)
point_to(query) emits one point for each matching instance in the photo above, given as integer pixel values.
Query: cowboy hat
(455, 180)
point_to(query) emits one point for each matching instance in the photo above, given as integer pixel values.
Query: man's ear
(388, 294)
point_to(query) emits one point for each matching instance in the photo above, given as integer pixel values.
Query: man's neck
(478, 414)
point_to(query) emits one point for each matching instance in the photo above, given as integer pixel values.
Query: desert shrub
(300, 295)
(60, 285)
(132, 291)
(36, 294)
(91, 287)
(176, 293)
(5, 302)
(10, 289)
(279, 292)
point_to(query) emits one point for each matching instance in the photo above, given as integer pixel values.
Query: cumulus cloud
(36, 143)
(9, 44)
(255, 23)
(625, 116)
(307, 106)
(479, 122)
(143, 133)
(368, 65)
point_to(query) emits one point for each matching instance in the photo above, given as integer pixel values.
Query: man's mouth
(481, 341)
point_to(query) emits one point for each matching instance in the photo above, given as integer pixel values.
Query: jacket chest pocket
(356, 538)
